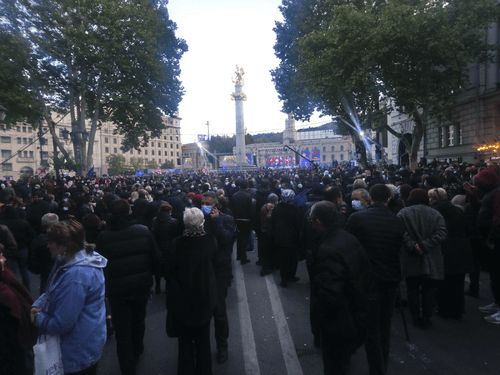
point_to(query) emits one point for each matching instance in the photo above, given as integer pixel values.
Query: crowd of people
(102, 245)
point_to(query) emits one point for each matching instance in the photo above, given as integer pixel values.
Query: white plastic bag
(48, 359)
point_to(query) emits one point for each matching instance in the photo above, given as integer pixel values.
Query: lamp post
(79, 138)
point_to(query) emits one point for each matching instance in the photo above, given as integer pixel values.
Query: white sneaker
(495, 318)
(489, 309)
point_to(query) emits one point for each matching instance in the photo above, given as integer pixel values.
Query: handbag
(48, 358)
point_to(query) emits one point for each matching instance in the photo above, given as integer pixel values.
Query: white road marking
(288, 348)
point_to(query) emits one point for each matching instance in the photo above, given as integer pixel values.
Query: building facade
(23, 149)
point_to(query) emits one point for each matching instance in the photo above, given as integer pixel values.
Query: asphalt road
(270, 335)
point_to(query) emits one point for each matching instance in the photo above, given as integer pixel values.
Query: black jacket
(165, 229)
(341, 272)
(285, 226)
(381, 233)
(241, 205)
(39, 259)
(133, 257)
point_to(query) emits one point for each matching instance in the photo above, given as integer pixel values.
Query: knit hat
(487, 179)
(287, 195)
(272, 198)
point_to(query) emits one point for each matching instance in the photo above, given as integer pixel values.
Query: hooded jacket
(73, 308)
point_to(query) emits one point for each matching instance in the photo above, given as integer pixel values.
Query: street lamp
(3, 113)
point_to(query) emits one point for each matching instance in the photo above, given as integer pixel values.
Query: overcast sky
(220, 35)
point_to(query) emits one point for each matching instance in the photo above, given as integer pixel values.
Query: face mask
(65, 199)
(279, 186)
(206, 210)
(299, 186)
(192, 186)
(215, 188)
(357, 205)
(65, 208)
(233, 185)
(190, 201)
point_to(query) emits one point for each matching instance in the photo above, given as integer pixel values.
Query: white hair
(193, 219)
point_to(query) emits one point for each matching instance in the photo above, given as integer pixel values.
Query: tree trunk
(418, 133)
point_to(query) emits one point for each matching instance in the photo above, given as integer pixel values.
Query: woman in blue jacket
(73, 303)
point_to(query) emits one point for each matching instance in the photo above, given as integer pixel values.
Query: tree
(169, 164)
(117, 165)
(16, 93)
(137, 163)
(103, 60)
(152, 164)
(361, 60)
(222, 144)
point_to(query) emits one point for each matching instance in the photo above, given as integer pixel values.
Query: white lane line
(287, 347)
(247, 338)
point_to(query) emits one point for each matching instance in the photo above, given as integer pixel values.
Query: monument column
(239, 96)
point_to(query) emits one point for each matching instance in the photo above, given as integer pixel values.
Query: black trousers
(336, 353)
(378, 339)
(427, 287)
(288, 262)
(129, 314)
(221, 324)
(92, 370)
(194, 349)
(244, 230)
(450, 296)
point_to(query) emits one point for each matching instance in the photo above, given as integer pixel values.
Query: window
(24, 129)
(30, 140)
(115, 150)
(341, 156)
(159, 161)
(19, 154)
(177, 146)
(165, 145)
(451, 136)
(18, 128)
(106, 131)
(7, 166)
(324, 156)
(146, 160)
(152, 144)
(324, 148)
(341, 147)
(152, 152)
(177, 153)
(29, 129)
(333, 148)
(4, 139)
(25, 140)
(106, 140)
(458, 130)
(171, 153)
(18, 140)
(171, 138)
(443, 136)
(145, 152)
(131, 151)
(25, 154)
(333, 157)
(177, 138)
(44, 156)
(43, 141)
(114, 141)
(106, 150)
(107, 159)
(6, 154)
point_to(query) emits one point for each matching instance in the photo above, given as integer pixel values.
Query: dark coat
(39, 259)
(241, 205)
(456, 248)
(138, 208)
(381, 233)
(132, 255)
(165, 229)
(21, 230)
(286, 225)
(341, 272)
(192, 288)
(223, 228)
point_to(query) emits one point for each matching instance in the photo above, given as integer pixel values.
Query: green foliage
(169, 164)
(16, 92)
(137, 164)
(362, 59)
(222, 144)
(152, 164)
(62, 162)
(106, 60)
(117, 165)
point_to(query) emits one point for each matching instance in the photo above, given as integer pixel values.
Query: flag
(40, 172)
(91, 172)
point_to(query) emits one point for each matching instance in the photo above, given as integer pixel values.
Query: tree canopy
(361, 60)
(103, 60)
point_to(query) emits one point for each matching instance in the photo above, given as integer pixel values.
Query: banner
(304, 163)
(248, 158)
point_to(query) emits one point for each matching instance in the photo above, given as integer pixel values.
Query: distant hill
(327, 126)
